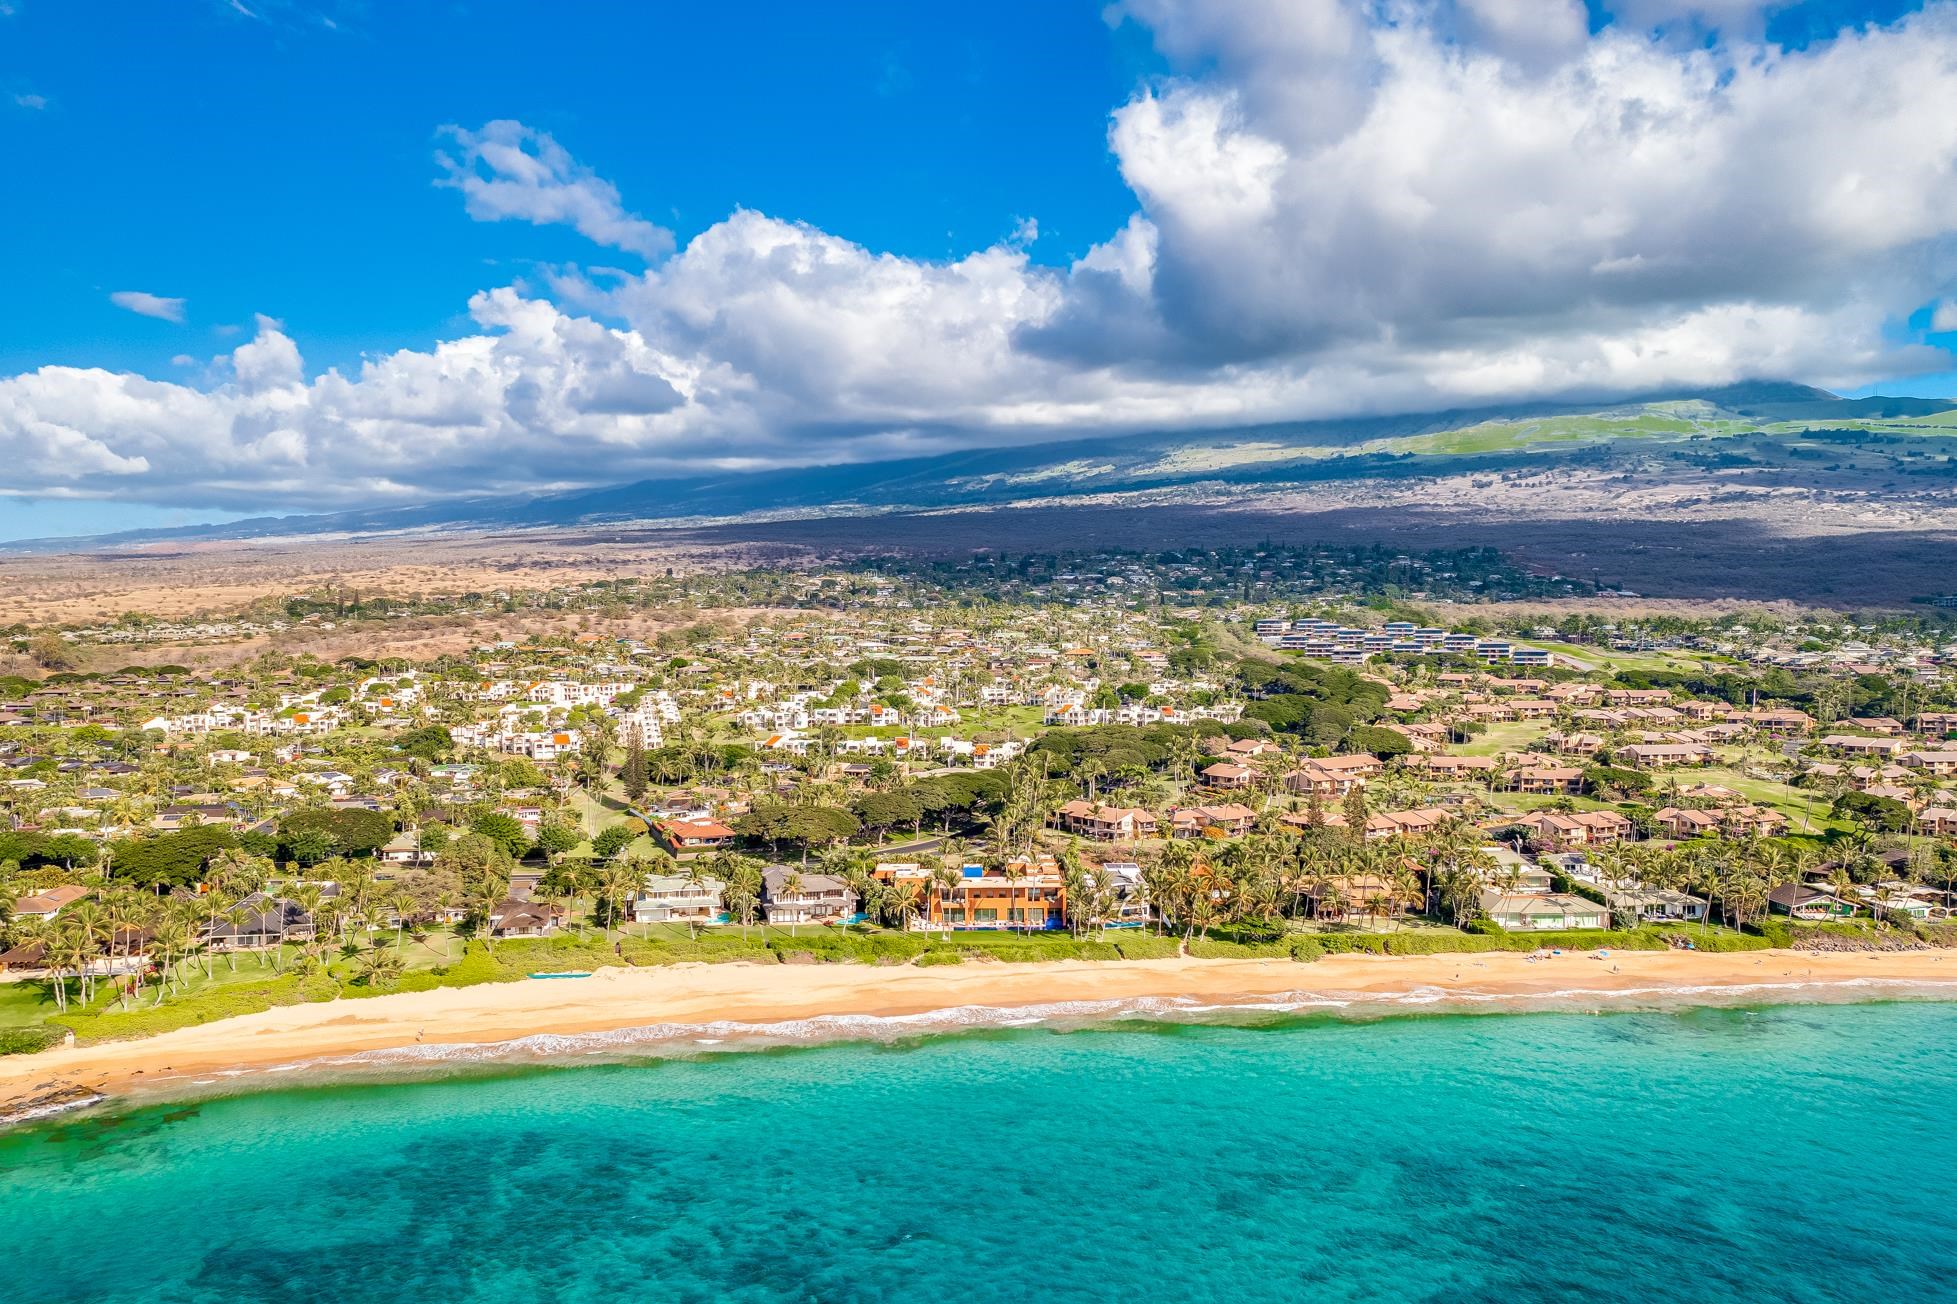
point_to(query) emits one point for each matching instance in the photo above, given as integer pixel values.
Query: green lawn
(1794, 803)
(20, 1004)
(594, 813)
(1507, 736)
(1612, 659)
(1520, 803)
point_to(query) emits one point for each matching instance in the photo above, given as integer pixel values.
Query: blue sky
(281, 166)
(904, 228)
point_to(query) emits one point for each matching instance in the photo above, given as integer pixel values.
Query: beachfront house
(1526, 912)
(514, 918)
(1359, 897)
(1655, 905)
(791, 897)
(1130, 907)
(674, 899)
(1030, 900)
(1800, 901)
(259, 920)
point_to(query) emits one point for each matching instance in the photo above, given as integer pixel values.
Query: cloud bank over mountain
(1341, 209)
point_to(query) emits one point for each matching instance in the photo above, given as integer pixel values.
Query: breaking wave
(723, 1036)
(1288, 1009)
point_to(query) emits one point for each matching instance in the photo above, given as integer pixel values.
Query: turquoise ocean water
(1788, 1152)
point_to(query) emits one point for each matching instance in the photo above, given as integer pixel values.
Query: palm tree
(1406, 885)
(403, 905)
(380, 966)
(311, 899)
(172, 935)
(1015, 874)
(560, 883)
(741, 879)
(482, 896)
(1100, 884)
(619, 883)
(791, 885)
(1840, 883)
(897, 902)
(945, 879)
(696, 879)
(66, 951)
(92, 925)
(217, 903)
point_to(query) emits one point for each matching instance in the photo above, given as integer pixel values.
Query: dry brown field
(1692, 546)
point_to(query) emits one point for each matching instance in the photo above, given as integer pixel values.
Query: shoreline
(491, 1020)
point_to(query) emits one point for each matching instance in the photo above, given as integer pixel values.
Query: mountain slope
(1691, 427)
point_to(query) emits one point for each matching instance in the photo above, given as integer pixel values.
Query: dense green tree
(555, 838)
(430, 742)
(352, 832)
(1383, 743)
(804, 826)
(611, 840)
(506, 831)
(168, 860)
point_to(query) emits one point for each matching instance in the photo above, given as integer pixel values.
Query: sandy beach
(614, 999)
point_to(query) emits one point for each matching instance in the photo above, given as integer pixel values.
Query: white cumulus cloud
(1340, 208)
(149, 305)
(508, 170)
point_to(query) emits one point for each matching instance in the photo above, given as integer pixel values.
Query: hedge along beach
(847, 1000)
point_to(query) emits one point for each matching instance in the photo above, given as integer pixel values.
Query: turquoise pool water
(1790, 1152)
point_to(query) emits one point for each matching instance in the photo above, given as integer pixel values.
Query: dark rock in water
(60, 1100)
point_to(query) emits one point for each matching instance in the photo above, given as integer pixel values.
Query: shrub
(842, 947)
(475, 966)
(26, 1041)
(1722, 940)
(1032, 951)
(708, 948)
(320, 987)
(521, 957)
(1216, 948)
(1636, 939)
